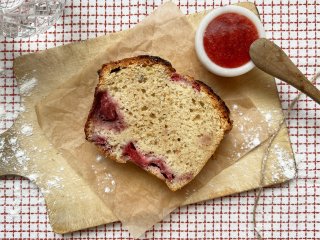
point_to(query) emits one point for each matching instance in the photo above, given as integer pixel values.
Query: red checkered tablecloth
(290, 210)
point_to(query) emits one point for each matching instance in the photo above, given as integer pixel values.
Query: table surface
(290, 210)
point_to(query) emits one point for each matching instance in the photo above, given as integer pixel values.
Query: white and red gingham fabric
(291, 210)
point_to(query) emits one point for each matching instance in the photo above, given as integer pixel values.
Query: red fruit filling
(106, 107)
(163, 168)
(101, 141)
(131, 151)
(176, 77)
(144, 161)
(98, 140)
(106, 111)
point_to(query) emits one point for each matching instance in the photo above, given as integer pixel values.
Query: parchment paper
(136, 198)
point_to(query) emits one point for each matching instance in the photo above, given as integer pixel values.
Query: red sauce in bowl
(227, 40)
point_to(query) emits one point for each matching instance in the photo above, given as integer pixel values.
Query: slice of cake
(146, 113)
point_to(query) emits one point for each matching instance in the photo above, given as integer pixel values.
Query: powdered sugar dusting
(250, 141)
(10, 148)
(235, 107)
(1, 144)
(255, 142)
(107, 190)
(13, 141)
(22, 108)
(33, 176)
(105, 180)
(251, 126)
(268, 117)
(249, 129)
(18, 148)
(99, 158)
(286, 163)
(272, 117)
(21, 156)
(54, 182)
(110, 182)
(285, 167)
(27, 129)
(27, 86)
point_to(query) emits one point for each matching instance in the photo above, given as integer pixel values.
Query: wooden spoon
(272, 59)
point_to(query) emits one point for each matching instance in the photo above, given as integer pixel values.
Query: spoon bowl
(271, 59)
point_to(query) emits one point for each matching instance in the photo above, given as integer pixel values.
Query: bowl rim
(202, 55)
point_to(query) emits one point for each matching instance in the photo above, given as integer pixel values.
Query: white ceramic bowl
(209, 64)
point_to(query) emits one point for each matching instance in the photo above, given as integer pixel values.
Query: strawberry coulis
(227, 40)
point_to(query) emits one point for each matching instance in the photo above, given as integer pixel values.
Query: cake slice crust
(146, 113)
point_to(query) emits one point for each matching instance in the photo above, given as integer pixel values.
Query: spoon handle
(273, 60)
